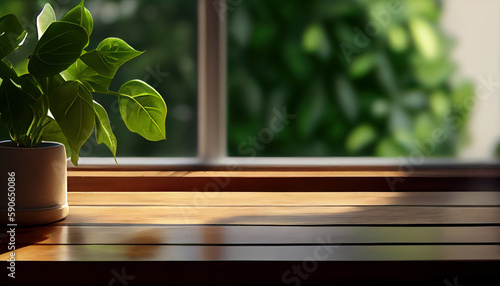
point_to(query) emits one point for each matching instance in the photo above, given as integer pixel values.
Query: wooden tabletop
(454, 234)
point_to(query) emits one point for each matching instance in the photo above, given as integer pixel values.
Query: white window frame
(212, 115)
(211, 99)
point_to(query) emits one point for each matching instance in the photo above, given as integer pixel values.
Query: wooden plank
(255, 253)
(284, 199)
(253, 235)
(287, 181)
(437, 173)
(348, 215)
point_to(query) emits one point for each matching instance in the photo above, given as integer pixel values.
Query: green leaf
(425, 38)
(432, 73)
(40, 101)
(423, 8)
(50, 84)
(440, 104)
(60, 46)
(463, 94)
(81, 72)
(7, 72)
(103, 132)
(386, 75)
(360, 137)
(12, 35)
(30, 86)
(312, 110)
(52, 132)
(16, 107)
(347, 98)
(73, 109)
(362, 65)
(380, 108)
(424, 126)
(399, 119)
(41, 108)
(315, 40)
(43, 21)
(405, 138)
(143, 110)
(250, 92)
(31, 103)
(414, 100)
(80, 16)
(296, 60)
(241, 27)
(389, 148)
(398, 39)
(109, 56)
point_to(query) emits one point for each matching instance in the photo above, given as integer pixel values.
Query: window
(167, 31)
(331, 82)
(362, 78)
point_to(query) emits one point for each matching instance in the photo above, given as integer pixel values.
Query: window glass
(381, 78)
(167, 31)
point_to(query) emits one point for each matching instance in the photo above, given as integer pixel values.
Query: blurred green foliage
(363, 78)
(167, 31)
(385, 97)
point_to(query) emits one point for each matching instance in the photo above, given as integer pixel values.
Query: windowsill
(193, 163)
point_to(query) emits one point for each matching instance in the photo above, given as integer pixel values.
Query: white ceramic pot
(38, 178)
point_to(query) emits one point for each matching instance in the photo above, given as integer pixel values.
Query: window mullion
(211, 81)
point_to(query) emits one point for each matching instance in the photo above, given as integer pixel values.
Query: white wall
(476, 27)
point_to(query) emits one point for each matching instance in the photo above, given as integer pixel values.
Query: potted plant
(50, 111)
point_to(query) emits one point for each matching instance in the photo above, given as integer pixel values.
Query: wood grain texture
(98, 252)
(255, 235)
(265, 234)
(402, 172)
(402, 179)
(210, 199)
(384, 215)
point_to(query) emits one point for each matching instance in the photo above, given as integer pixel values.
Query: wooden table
(271, 238)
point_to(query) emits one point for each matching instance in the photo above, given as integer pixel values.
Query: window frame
(211, 133)
(212, 123)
